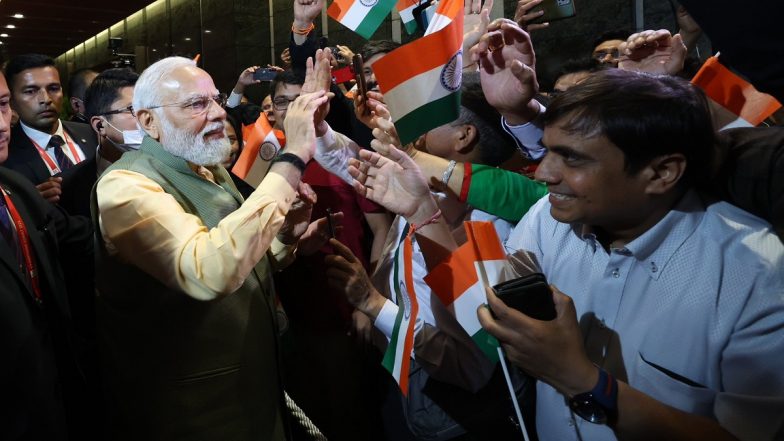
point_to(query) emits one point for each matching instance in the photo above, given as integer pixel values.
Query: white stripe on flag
(416, 92)
(465, 305)
(437, 23)
(355, 15)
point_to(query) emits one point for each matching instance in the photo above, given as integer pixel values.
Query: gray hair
(146, 94)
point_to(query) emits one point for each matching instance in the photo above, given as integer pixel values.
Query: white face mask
(132, 139)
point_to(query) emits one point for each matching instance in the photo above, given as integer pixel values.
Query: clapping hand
(655, 52)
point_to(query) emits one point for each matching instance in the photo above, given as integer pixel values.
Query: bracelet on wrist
(431, 220)
(292, 159)
(448, 172)
(304, 31)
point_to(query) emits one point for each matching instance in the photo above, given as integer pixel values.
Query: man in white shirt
(41, 146)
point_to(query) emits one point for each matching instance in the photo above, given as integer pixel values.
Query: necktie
(8, 232)
(59, 153)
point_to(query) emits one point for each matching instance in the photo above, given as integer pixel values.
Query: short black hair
(644, 115)
(23, 62)
(287, 77)
(495, 146)
(105, 90)
(615, 34)
(375, 47)
(77, 84)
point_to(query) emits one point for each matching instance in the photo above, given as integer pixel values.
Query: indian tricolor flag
(460, 280)
(406, 10)
(261, 145)
(748, 106)
(397, 358)
(421, 80)
(361, 16)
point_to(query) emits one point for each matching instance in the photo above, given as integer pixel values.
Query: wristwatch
(600, 404)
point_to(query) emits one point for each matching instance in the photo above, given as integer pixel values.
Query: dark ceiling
(52, 27)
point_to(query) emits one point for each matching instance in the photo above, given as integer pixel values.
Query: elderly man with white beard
(186, 313)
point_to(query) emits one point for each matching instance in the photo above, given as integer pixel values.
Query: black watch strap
(600, 405)
(292, 159)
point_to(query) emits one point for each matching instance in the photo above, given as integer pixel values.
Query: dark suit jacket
(41, 374)
(24, 158)
(77, 186)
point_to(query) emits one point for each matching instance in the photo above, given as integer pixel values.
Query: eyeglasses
(128, 109)
(282, 103)
(600, 55)
(197, 106)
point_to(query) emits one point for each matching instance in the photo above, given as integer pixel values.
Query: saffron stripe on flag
(360, 18)
(417, 57)
(734, 93)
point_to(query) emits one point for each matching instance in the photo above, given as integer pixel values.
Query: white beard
(193, 147)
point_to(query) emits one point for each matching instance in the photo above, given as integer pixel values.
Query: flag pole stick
(519, 414)
(482, 273)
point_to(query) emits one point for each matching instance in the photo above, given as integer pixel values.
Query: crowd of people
(149, 291)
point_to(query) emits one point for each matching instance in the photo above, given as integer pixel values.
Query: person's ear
(465, 138)
(148, 121)
(75, 104)
(98, 126)
(665, 172)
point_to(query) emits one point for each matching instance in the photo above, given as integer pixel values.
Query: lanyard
(24, 243)
(50, 163)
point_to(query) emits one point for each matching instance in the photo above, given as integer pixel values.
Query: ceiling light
(18, 16)
(10, 26)
(3, 35)
(187, 38)
(207, 31)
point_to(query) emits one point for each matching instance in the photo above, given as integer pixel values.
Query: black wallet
(529, 294)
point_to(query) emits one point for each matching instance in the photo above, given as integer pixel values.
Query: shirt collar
(655, 247)
(39, 137)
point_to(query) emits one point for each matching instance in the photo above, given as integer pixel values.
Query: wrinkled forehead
(186, 83)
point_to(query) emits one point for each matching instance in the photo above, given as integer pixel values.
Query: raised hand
(368, 113)
(475, 23)
(508, 70)
(297, 219)
(306, 11)
(394, 181)
(523, 16)
(655, 52)
(245, 79)
(318, 77)
(299, 128)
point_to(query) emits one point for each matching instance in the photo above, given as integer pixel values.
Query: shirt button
(616, 273)
(654, 268)
(570, 422)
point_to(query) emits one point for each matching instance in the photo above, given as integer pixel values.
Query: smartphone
(264, 74)
(330, 224)
(359, 66)
(555, 10)
(529, 294)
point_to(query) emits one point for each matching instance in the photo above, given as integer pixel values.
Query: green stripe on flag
(389, 356)
(431, 115)
(374, 18)
(411, 26)
(487, 343)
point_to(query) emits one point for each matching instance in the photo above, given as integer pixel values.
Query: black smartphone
(359, 66)
(555, 10)
(264, 74)
(529, 294)
(330, 224)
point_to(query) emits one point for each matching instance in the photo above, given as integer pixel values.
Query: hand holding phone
(359, 66)
(330, 224)
(265, 74)
(529, 294)
(556, 10)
